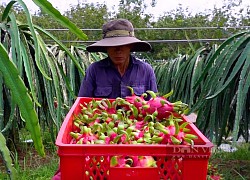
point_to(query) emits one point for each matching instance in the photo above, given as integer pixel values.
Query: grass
(28, 163)
(30, 166)
(233, 165)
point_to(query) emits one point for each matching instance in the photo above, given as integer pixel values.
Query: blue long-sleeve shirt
(103, 80)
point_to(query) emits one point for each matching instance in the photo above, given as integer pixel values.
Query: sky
(161, 6)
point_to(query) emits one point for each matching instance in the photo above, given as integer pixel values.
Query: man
(109, 78)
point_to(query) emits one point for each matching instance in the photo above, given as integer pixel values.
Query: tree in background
(92, 16)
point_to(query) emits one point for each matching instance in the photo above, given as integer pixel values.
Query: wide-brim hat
(117, 33)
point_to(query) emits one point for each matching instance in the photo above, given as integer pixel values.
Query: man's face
(119, 54)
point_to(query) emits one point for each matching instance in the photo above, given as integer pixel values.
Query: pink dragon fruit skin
(123, 139)
(180, 135)
(117, 161)
(137, 101)
(95, 121)
(111, 138)
(171, 130)
(84, 138)
(138, 135)
(135, 161)
(164, 112)
(111, 110)
(159, 104)
(146, 161)
(139, 125)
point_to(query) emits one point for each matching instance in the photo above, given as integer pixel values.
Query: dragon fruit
(118, 161)
(162, 106)
(159, 104)
(132, 161)
(137, 101)
(107, 106)
(146, 161)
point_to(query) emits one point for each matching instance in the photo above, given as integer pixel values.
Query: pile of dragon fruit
(132, 120)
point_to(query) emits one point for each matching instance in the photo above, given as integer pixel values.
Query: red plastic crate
(174, 162)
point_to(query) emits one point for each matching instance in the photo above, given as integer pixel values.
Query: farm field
(230, 165)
